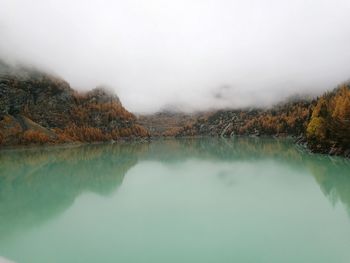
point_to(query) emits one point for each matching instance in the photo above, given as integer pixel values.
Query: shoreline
(68, 144)
(297, 140)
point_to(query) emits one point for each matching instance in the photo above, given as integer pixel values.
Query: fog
(189, 54)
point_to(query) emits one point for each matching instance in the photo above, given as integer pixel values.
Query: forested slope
(37, 107)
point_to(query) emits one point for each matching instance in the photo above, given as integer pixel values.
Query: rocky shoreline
(332, 150)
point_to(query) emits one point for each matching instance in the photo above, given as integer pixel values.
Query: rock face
(38, 96)
(31, 100)
(289, 119)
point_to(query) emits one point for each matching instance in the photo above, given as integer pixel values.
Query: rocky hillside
(322, 124)
(282, 120)
(37, 107)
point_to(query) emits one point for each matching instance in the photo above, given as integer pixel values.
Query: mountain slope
(37, 107)
(322, 124)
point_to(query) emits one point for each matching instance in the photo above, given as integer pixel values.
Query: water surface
(202, 200)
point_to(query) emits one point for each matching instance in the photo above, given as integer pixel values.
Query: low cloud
(187, 53)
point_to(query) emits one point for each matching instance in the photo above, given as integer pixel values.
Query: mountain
(282, 120)
(322, 124)
(40, 108)
(37, 107)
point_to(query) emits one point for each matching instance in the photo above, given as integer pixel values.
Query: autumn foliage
(91, 134)
(82, 134)
(287, 119)
(37, 107)
(323, 123)
(102, 112)
(96, 116)
(330, 121)
(34, 137)
(100, 119)
(290, 119)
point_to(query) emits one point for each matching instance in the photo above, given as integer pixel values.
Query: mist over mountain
(191, 54)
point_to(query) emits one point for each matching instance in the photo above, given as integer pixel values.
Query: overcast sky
(192, 54)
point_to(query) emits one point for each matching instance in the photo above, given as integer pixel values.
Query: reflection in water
(333, 176)
(37, 185)
(331, 173)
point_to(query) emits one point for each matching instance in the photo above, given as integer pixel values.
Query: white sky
(190, 54)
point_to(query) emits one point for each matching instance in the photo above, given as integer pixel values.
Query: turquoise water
(203, 200)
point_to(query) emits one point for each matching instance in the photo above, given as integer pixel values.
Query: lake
(189, 200)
